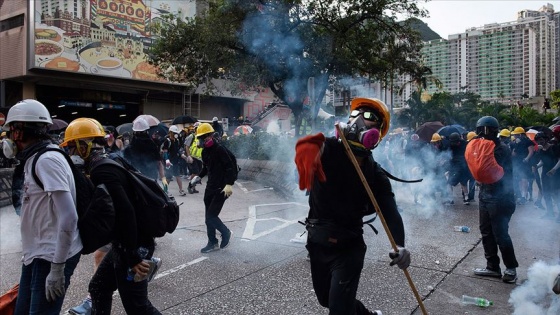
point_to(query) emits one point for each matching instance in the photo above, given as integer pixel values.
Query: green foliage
(465, 109)
(262, 146)
(280, 44)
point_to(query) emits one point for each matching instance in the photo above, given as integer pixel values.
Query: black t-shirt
(520, 149)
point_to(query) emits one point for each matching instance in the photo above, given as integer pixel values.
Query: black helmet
(488, 121)
(454, 137)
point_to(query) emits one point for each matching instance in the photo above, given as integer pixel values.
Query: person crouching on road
(338, 202)
(217, 164)
(85, 137)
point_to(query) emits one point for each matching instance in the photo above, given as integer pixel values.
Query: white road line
(245, 190)
(252, 220)
(175, 269)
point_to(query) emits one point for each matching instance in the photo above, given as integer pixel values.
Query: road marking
(252, 221)
(245, 190)
(175, 269)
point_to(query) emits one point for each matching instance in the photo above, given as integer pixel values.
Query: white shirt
(39, 218)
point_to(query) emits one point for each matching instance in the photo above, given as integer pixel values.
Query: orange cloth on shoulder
(308, 160)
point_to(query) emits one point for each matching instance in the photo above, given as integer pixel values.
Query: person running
(496, 206)
(50, 240)
(86, 138)
(216, 163)
(458, 171)
(338, 202)
(548, 157)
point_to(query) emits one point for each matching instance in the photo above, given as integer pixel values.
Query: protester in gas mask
(216, 163)
(50, 240)
(338, 201)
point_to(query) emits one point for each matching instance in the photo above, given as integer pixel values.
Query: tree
(281, 44)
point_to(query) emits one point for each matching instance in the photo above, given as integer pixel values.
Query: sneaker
(521, 201)
(157, 265)
(211, 247)
(376, 312)
(466, 202)
(539, 205)
(226, 240)
(182, 193)
(190, 189)
(510, 275)
(485, 272)
(82, 309)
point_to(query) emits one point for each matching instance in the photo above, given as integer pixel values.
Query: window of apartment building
(13, 22)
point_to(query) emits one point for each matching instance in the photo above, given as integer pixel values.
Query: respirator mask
(9, 148)
(357, 131)
(205, 143)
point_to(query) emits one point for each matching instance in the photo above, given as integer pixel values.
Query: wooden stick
(379, 214)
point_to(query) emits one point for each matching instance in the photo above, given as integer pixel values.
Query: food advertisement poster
(101, 37)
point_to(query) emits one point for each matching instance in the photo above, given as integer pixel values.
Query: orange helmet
(378, 106)
(471, 135)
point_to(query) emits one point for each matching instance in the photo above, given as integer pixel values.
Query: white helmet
(174, 129)
(215, 119)
(140, 124)
(28, 111)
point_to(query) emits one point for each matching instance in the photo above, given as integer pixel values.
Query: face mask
(357, 131)
(9, 148)
(208, 143)
(176, 136)
(77, 160)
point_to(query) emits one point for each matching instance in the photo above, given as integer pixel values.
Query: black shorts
(195, 167)
(458, 176)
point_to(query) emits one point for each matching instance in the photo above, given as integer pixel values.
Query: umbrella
(121, 129)
(242, 130)
(556, 120)
(58, 124)
(151, 120)
(546, 130)
(445, 131)
(426, 130)
(184, 119)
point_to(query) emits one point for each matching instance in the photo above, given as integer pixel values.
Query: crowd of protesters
(441, 162)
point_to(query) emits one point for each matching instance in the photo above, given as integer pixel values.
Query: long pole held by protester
(379, 214)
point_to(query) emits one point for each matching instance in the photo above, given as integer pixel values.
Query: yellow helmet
(204, 128)
(506, 133)
(82, 128)
(471, 135)
(518, 131)
(379, 107)
(436, 137)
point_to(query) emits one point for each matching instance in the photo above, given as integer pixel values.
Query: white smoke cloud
(535, 296)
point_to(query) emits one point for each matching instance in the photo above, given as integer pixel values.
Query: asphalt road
(265, 271)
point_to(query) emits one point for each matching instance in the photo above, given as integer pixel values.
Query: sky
(454, 16)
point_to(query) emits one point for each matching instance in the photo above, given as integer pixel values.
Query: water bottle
(482, 302)
(462, 228)
(143, 253)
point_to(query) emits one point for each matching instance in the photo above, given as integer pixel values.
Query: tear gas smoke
(535, 296)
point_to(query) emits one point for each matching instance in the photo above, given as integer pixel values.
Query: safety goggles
(371, 116)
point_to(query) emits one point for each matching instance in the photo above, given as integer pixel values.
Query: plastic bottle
(482, 302)
(462, 228)
(143, 253)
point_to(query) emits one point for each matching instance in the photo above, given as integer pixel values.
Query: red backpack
(481, 161)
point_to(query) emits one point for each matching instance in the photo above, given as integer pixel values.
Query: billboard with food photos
(100, 37)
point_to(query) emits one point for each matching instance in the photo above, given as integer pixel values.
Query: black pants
(494, 224)
(110, 276)
(214, 200)
(336, 274)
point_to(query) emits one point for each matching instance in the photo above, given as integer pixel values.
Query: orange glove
(308, 160)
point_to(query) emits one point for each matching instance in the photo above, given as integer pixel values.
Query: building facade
(503, 61)
(88, 58)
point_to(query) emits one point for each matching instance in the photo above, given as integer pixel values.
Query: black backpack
(233, 159)
(157, 213)
(96, 213)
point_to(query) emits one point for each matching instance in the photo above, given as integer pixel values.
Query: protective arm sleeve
(308, 160)
(65, 210)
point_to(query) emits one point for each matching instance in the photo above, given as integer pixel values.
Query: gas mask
(203, 143)
(9, 148)
(357, 131)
